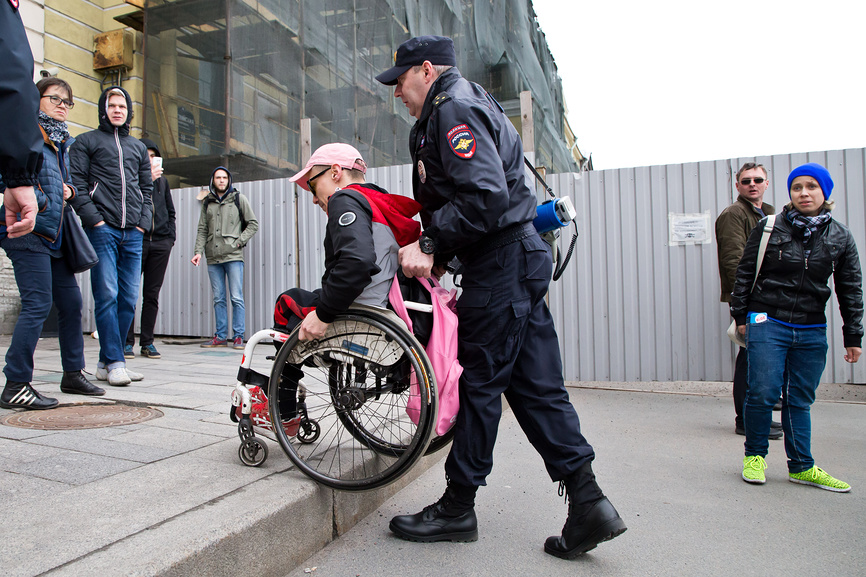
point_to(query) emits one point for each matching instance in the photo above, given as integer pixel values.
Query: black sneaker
(23, 396)
(150, 352)
(775, 430)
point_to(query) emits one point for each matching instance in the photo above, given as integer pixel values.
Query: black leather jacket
(793, 288)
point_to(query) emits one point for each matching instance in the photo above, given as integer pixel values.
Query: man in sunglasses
(732, 230)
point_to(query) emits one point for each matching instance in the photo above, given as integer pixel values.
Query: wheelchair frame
(354, 432)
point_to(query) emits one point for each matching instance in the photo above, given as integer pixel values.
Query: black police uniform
(469, 178)
(21, 145)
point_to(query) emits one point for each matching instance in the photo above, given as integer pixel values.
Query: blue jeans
(114, 281)
(786, 361)
(218, 273)
(42, 279)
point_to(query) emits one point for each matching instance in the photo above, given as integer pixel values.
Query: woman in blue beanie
(784, 323)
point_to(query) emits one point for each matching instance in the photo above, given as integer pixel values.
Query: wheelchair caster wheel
(253, 452)
(308, 431)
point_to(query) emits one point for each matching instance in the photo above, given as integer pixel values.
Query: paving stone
(73, 467)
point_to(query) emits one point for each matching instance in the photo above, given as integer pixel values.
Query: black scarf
(56, 130)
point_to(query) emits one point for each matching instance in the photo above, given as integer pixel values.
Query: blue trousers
(508, 345)
(788, 362)
(234, 272)
(41, 280)
(114, 282)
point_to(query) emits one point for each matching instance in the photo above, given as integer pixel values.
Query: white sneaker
(133, 376)
(118, 377)
(101, 374)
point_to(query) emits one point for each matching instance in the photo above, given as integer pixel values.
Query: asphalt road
(671, 465)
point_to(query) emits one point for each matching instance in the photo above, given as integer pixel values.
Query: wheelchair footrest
(250, 378)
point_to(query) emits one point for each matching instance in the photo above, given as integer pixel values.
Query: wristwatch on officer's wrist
(427, 244)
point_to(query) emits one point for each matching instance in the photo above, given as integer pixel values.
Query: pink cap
(344, 155)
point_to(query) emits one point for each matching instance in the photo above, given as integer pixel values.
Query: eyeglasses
(57, 101)
(312, 178)
(748, 181)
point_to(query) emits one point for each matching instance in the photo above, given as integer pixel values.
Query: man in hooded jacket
(111, 172)
(225, 226)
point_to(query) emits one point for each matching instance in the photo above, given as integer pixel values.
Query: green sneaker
(753, 469)
(818, 477)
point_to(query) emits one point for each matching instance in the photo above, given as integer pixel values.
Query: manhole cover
(81, 417)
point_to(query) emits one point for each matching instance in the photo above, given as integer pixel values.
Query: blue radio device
(550, 216)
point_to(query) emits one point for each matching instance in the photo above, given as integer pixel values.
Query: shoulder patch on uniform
(347, 218)
(462, 141)
(440, 98)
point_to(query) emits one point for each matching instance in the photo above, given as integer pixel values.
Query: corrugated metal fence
(630, 307)
(633, 307)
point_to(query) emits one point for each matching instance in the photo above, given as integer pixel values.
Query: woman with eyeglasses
(783, 320)
(41, 272)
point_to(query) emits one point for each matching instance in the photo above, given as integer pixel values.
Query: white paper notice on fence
(689, 228)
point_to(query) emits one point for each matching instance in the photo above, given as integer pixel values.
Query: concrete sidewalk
(169, 496)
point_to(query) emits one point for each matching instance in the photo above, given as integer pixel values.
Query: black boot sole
(80, 392)
(456, 537)
(608, 531)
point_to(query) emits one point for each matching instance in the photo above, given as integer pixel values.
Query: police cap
(439, 50)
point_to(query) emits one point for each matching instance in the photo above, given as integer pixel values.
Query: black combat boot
(22, 396)
(74, 383)
(591, 517)
(451, 518)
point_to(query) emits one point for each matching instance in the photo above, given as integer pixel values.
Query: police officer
(21, 145)
(468, 176)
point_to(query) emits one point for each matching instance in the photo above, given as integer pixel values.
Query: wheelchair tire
(356, 386)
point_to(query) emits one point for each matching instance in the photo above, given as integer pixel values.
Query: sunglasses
(312, 178)
(748, 181)
(57, 101)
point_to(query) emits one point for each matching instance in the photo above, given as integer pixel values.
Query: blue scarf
(807, 224)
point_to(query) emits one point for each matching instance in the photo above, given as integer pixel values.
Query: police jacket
(49, 192)
(223, 231)
(366, 228)
(792, 287)
(111, 172)
(468, 166)
(20, 146)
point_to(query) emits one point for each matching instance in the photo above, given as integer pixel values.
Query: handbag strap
(762, 249)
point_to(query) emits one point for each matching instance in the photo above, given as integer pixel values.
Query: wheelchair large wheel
(374, 421)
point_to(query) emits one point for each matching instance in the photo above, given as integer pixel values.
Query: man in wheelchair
(366, 228)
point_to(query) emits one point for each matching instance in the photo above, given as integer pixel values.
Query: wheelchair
(351, 427)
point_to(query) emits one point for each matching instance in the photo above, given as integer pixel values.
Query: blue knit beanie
(816, 171)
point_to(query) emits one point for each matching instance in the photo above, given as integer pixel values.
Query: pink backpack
(441, 350)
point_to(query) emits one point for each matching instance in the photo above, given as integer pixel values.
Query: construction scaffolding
(229, 81)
